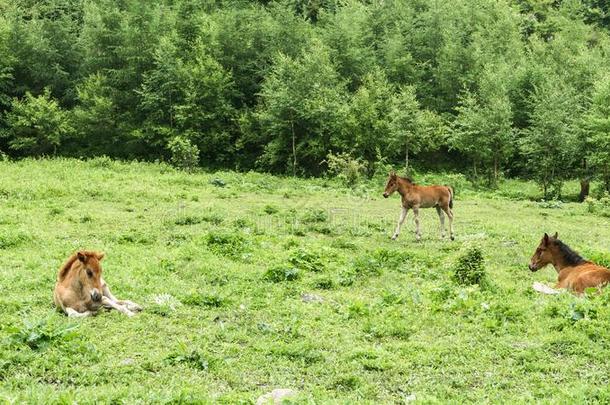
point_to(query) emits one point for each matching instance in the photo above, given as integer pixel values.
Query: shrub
(312, 216)
(40, 334)
(184, 155)
(324, 283)
(347, 169)
(278, 274)
(226, 244)
(306, 260)
(37, 125)
(201, 300)
(218, 182)
(599, 206)
(470, 267)
(191, 358)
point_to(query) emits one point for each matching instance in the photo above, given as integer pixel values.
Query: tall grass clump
(470, 267)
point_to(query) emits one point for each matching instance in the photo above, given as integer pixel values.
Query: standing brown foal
(415, 197)
(573, 272)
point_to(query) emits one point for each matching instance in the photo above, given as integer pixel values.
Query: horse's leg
(108, 303)
(403, 216)
(450, 216)
(72, 313)
(441, 217)
(417, 231)
(132, 306)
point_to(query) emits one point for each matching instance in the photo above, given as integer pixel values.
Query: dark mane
(570, 256)
(408, 179)
(63, 271)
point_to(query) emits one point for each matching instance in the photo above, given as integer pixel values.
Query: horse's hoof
(452, 238)
(132, 306)
(394, 237)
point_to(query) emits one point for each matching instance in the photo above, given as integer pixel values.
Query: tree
(597, 128)
(550, 144)
(411, 129)
(369, 129)
(303, 109)
(96, 119)
(482, 129)
(37, 125)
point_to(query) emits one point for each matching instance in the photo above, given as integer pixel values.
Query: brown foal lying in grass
(573, 272)
(80, 289)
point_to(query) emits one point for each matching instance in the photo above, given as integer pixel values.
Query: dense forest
(490, 87)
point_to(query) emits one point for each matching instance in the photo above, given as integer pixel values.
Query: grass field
(252, 282)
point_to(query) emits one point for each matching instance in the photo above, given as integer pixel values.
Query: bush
(37, 125)
(278, 274)
(184, 155)
(470, 267)
(42, 333)
(226, 243)
(599, 206)
(347, 169)
(306, 260)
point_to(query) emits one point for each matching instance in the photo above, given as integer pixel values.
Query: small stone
(275, 397)
(311, 298)
(127, 362)
(410, 398)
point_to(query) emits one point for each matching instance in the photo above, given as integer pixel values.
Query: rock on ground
(275, 397)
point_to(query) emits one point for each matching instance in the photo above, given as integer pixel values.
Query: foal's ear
(100, 255)
(545, 238)
(392, 174)
(81, 256)
(555, 236)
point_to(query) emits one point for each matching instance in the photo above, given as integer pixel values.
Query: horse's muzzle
(95, 295)
(532, 267)
(385, 195)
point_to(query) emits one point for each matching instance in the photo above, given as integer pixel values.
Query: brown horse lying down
(415, 197)
(574, 272)
(81, 291)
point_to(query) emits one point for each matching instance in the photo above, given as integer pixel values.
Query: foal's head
(392, 185)
(89, 272)
(544, 253)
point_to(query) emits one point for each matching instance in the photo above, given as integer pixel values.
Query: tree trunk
(294, 150)
(407, 159)
(584, 189)
(475, 169)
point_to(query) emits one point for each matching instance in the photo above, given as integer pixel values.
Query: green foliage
(347, 169)
(226, 243)
(597, 126)
(37, 125)
(281, 273)
(599, 206)
(306, 260)
(482, 129)
(184, 155)
(39, 334)
(191, 358)
(470, 267)
(281, 86)
(551, 144)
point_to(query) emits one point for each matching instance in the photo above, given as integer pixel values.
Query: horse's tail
(450, 196)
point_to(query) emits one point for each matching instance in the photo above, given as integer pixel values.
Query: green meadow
(251, 282)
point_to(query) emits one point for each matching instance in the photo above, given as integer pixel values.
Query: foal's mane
(63, 271)
(407, 179)
(65, 268)
(570, 256)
